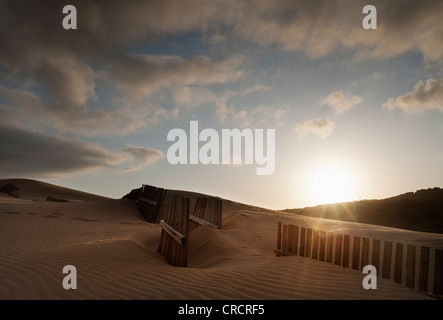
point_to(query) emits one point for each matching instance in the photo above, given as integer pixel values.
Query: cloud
(321, 127)
(90, 81)
(424, 96)
(142, 76)
(321, 27)
(36, 111)
(87, 82)
(144, 156)
(31, 153)
(190, 96)
(27, 153)
(341, 102)
(225, 113)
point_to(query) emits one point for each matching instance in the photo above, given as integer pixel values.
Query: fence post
(376, 255)
(410, 267)
(356, 253)
(438, 272)
(364, 253)
(295, 240)
(284, 248)
(290, 237)
(329, 248)
(322, 254)
(387, 256)
(278, 253)
(302, 242)
(423, 271)
(308, 243)
(315, 245)
(398, 262)
(346, 247)
(338, 248)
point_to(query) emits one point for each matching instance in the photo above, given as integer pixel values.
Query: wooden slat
(438, 272)
(315, 241)
(284, 246)
(322, 252)
(201, 221)
(364, 253)
(290, 235)
(302, 242)
(376, 255)
(308, 242)
(410, 266)
(338, 249)
(329, 246)
(346, 248)
(279, 238)
(423, 271)
(173, 233)
(387, 257)
(398, 262)
(151, 202)
(356, 253)
(295, 240)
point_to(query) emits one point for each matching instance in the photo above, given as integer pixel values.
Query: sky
(357, 113)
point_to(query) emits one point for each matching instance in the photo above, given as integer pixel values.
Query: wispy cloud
(241, 116)
(424, 96)
(321, 127)
(341, 102)
(143, 156)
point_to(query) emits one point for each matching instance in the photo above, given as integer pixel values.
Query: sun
(331, 184)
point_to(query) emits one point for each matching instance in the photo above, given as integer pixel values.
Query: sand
(115, 253)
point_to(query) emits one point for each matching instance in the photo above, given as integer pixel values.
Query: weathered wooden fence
(176, 225)
(173, 244)
(208, 211)
(412, 266)
(150, 202)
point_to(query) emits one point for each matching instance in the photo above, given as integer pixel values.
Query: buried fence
(173, 244)
(150, 202)
(417, 267)
(174, 238)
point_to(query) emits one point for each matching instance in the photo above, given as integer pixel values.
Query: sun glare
(331, 185)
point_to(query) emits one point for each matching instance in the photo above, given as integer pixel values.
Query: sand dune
(115, 253)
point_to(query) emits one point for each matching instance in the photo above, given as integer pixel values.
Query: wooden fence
(176, 226)
(150, 202)
(408, 264)
(173, 244)
(208, 211)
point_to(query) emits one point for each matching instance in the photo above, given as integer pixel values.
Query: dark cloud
(29, 153)
(62, 68)
(142, 75)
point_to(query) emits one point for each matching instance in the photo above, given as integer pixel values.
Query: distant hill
(28, 189)
(418, 211)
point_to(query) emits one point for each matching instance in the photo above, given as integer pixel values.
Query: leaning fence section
(178, 222)
(417, 267)
(173, 244)
(208, 211)
(150, 202)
